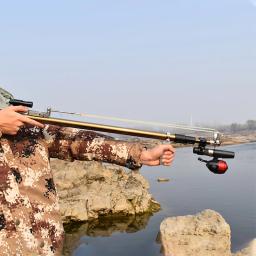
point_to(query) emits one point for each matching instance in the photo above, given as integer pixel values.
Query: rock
(250, 250)
(163, 179)
(203, 234)
(91, 189)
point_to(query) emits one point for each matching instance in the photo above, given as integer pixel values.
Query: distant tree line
(250, 125)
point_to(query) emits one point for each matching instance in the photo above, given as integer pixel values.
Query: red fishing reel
(215, 165)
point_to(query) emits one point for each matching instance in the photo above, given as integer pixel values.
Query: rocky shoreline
(226, 139)
(88, 190)
(239, 138)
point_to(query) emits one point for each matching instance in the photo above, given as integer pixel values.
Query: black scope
(216, 153)
(16, 102)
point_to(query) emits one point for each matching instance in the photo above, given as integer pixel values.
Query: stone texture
(91, 189)
(250, 250)
(203, 234)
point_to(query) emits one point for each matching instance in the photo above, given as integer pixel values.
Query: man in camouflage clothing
(30, 221)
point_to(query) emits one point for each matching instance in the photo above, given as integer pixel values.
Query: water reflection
(102, 227)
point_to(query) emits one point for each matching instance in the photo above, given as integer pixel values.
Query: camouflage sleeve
(74, 144)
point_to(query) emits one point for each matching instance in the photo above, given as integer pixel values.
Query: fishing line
(133, 121)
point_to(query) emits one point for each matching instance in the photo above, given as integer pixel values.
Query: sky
(166, 61)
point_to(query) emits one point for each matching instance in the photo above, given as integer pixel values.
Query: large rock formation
(88, 190)
(250, 250)
(204, 234)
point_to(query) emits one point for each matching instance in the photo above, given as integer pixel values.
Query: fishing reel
(215, 165)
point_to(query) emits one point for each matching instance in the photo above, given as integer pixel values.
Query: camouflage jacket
(30, 221)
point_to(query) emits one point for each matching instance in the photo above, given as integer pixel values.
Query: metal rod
(113, 129)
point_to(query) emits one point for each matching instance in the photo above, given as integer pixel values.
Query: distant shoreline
(239, 138)
(227, 139)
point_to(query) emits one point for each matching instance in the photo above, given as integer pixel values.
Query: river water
(191, 189)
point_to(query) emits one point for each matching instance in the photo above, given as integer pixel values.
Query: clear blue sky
(152, 60)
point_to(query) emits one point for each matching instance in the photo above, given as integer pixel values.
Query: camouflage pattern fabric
(30, 222)
(4, 98)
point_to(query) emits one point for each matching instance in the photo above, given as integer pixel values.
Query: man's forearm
(74, 144)
(112, 151)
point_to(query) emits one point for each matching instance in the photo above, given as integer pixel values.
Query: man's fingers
(30, 121)
(19, 124)
(168, 153)
(167, 157)
(23, 118)
(167, 162)
(168, 147)
(19, 108)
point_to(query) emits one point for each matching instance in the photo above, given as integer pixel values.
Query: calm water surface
(192, 188)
